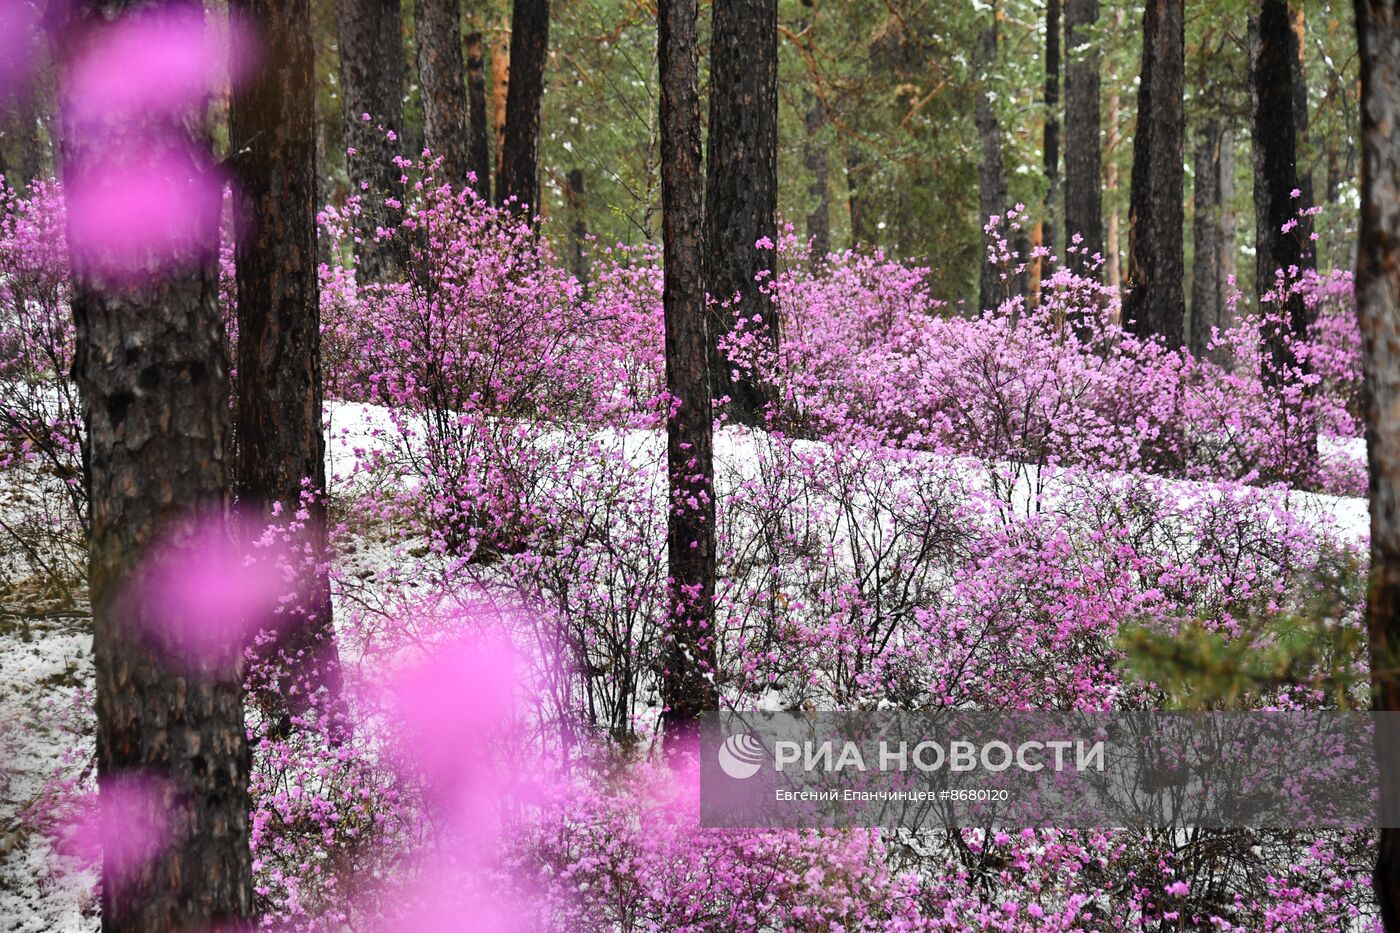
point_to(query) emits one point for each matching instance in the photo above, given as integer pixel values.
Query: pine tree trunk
(1308, 258)
(991, 174)
(478, 138)
(863, 233)
(1156, 301)
(272, 125)
(520, 155)
(372, 82)
(814, 159)
(1083, 151)
(578, 226)
(500, 91)
(688, 654)
(1113, 266)
(1378, 310)
(1051, 139)
(440, 85)
(154, 381)
(741, 186)
(1205, 275)
(1273, 57)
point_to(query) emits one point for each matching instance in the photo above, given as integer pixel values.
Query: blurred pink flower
(19, 26)
(137, 215)
(152, 65)
(210, 590)
(125, 825)
(452, 710)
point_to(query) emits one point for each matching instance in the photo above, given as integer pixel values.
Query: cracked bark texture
(1083, 153)
(372, 82)
(741, 186)
(272, 124)
(150, 365)
(1273, 58)
(991, 174)
(1156, 302)
(520, 153)
(441, 88)
(688, 654)
(478, 138)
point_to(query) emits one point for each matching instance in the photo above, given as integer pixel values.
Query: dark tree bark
(1051, 143)
(440, 85)
(272, 125)
(1156, 301)
(991, 174)
(688, 655)
(814, 160)
(500, 91)
(1298, 21)
(154, 381)
(818, 183)
(1206, 298)
(478, 142)
(1273, 57)
(1378, 310)
(1083, 152)
(1334, 170)
(578, 227)
(741, 186)
(857, 179)
(1228, 221)
(520, 154)
(372, 82)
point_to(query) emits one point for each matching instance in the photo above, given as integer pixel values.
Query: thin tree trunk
(440, 86)
(578, 227)
(857, 178)
(1334, 169)
(500, 91)
(991, 174)
(689, 653)
(520, 156)
(1113, 247)
(1378, 310)
(151, 369)
(372, 82)
(1308, 257)
(814, 158)
(272, 125)
(1051, 139)
(1224, 284)
(478, 141)
(741, 187)
(1205, 275)
(1272, 61)
(1156, 301)
(1083, 150)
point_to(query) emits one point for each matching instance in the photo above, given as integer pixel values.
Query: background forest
(878, 138)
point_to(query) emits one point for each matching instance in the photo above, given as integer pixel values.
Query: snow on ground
(46, 668)
(45, 674)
